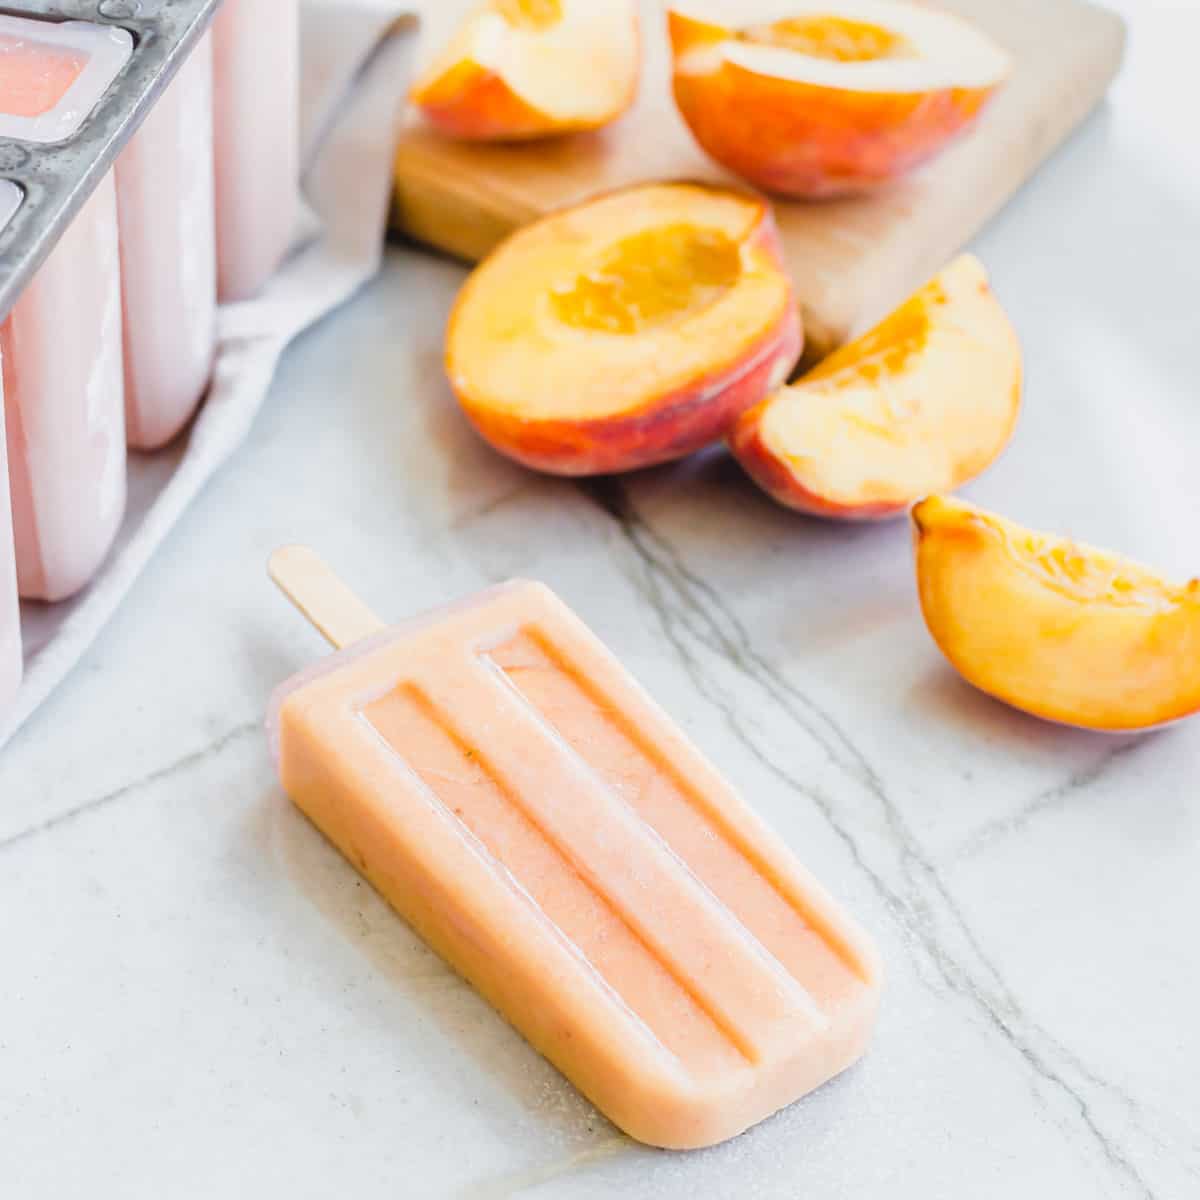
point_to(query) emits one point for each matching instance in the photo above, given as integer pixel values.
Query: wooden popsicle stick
(310, 584)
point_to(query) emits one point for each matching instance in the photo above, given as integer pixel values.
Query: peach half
(922, 403)
(815, 98)
(519, 69)
(1061, 630)
(626, 331)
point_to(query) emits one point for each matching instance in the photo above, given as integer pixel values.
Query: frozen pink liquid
(65, 408)
(168, 256)
(256, 57)
(34, 76)
(10, 617)
(52, 73)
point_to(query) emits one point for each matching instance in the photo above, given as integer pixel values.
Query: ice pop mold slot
(510, 789)
(52, 74)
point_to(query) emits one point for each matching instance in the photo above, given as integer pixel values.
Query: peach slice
(521, 69)
(626, 331)
(1058, 629)
(922, 403)
(817, 98)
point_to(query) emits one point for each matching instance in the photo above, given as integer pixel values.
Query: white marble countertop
(200, 999)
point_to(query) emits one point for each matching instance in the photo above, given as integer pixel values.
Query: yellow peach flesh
(530, 14)
(833, 38)
(1058, 629)
(650, 279)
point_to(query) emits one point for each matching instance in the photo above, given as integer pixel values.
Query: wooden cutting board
(852, 260)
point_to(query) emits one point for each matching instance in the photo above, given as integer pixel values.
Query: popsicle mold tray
(56, 149)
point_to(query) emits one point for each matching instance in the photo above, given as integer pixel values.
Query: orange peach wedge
(923, 402)
(521, 69)
(1060, 630)
(817, 98)
(627, 331)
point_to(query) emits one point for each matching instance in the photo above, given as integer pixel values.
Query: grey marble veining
(201, 999)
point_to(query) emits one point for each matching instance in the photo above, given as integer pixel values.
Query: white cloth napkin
(354, 69)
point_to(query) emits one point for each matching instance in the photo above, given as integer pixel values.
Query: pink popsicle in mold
(256, 64)
(168, 256)
(10, 619)
(61, 343)
(65, 407)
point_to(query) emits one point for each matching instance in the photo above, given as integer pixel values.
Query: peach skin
(626, 331)
(520, 69)
(1058, 629)
(923, 402)
(815, 98)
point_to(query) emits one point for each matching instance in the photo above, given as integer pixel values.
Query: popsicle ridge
(733, 981)
(565, 901)
(614, 742)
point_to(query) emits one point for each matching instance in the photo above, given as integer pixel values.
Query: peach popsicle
(509, 788)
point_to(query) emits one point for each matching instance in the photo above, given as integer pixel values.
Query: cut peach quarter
(1059, 629)
(627, 331)
(829, 97)
(521, 69)
(923, 402)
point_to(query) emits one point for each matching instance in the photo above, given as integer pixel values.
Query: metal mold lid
(56, 178)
